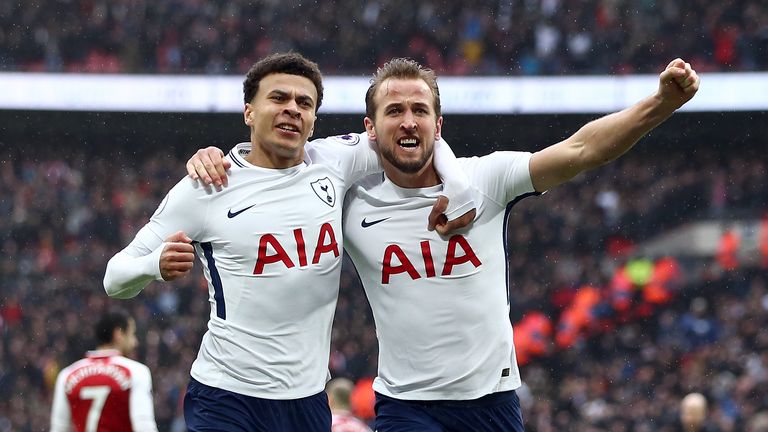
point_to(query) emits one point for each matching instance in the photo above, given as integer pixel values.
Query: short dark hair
(288, 63)
(114, 318)
(401, 68)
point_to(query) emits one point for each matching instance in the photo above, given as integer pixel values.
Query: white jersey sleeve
(502, 176)
(130, 270)
(142, 409)
(61, 417)
(352, 154)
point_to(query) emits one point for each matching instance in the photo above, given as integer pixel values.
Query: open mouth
(288, 128)
(408, 142)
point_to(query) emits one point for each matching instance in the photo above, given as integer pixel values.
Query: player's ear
(439, 128)
(117, 336)
(247, 115)
(370, 129)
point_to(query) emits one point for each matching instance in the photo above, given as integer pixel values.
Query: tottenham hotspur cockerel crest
(324, 190)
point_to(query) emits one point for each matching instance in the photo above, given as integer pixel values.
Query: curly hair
(288, 63)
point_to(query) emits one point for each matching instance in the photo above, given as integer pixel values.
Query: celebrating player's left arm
(162, 248)
(145, 260)
(605, 139)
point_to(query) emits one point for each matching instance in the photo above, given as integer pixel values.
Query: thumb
(178, 237)
(678, 62)
(437, 210)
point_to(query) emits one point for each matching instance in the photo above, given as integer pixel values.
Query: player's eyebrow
(422, 105)
(300, 98)
(305, 98)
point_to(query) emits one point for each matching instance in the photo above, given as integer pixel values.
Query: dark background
(180, 133)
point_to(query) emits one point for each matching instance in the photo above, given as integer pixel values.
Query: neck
(268, 157)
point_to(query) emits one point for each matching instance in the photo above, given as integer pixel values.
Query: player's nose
(409, 121)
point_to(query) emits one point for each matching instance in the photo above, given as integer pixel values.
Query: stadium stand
(485, 37)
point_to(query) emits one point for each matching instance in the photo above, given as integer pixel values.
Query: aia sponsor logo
(396, 261)
(272, 252)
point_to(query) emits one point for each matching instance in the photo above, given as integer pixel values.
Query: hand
(177, 257)
(209, 165)
(438, 221)
(678, 83)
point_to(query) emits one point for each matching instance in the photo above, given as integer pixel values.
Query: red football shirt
(103, 392)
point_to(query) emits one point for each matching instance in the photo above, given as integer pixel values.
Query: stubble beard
(406, 166)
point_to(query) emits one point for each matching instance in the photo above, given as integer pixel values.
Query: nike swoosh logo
(231, 214)
(366, 224)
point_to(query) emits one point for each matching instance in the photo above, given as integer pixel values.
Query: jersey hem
(437, 395)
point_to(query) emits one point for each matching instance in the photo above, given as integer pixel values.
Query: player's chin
(410, 165)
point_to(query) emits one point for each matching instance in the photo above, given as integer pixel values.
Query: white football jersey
(271, 247)
(440, 303)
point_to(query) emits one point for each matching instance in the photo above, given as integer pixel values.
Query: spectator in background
(490, 38)
(106, 390)
(699, 326)
(759, 422)
(339, 391)
(693, 414)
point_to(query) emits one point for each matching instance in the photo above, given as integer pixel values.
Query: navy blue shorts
(212, 409)
(495, 412)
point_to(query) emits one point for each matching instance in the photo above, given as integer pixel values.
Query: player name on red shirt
(118, 373)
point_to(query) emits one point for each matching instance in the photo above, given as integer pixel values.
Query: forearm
(596, 143)
(609, 137)
(133, 268)
(605, 139)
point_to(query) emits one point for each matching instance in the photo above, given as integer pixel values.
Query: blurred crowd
(483, 37)
(64, 217)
